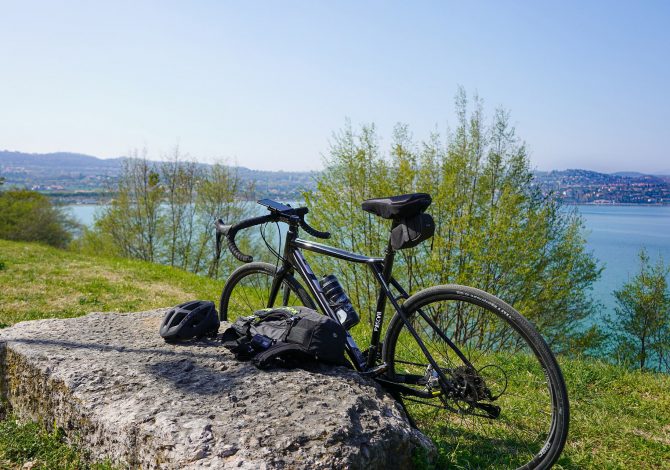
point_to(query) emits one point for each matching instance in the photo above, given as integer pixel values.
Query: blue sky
(266, 84)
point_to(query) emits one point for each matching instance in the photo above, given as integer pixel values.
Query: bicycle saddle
(397, 207)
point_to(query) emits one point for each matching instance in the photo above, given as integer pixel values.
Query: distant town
(590, 187)
(82, 179)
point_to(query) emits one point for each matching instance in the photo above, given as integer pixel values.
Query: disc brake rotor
(467, 388)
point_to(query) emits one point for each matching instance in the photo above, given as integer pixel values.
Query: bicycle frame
(452, 385)
(381, 268)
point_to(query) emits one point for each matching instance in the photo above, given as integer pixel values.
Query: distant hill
(65, 172)
(85, 178)
(628, 174)
(59, 162)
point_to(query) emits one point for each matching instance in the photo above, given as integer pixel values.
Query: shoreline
(624, 204)
(590, 204)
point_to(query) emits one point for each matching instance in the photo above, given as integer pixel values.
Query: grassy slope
(41, 282)
(620, 419)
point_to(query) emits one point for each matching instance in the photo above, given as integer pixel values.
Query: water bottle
(339, 301)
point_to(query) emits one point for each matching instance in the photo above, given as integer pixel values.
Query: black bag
(286, 337)
(412, 230)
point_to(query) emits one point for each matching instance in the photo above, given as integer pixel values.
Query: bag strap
(269, 356)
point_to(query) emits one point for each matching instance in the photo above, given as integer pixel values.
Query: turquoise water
(615, 235)
(84, 213)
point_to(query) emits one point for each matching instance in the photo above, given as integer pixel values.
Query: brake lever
(221, 231)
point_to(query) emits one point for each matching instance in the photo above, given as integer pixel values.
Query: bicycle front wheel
(498, 400)
(248, 289)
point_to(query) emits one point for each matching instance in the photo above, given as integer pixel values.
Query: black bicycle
(470, 371)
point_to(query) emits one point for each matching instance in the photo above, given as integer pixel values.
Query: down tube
(314, 286)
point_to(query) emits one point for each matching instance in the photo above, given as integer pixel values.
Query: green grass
(619, 418)
(43, 282)
(32, 445)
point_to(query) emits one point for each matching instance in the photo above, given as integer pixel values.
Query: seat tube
(381, 305)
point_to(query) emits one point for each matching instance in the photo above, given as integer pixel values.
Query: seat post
(389, 257)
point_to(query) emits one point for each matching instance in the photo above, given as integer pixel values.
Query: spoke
(503, 363)
(412, 363)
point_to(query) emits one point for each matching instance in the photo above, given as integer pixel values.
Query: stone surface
(123, 394)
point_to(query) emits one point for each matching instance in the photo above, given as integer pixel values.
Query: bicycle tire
(505, 349)
(248, 289)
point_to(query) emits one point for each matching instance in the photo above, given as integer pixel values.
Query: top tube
(335, 252)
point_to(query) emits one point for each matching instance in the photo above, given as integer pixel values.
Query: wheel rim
(510, 371)
(252, 292)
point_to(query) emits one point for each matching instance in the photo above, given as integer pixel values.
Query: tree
(133, 219)
(641, 324)
(195, 196)
(30, 216)
(221, 194)
(179, 179)
(494, 229)
(164, 212)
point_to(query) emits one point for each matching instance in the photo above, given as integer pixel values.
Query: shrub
(30, 216)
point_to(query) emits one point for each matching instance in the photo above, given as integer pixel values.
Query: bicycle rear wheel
(500, 403)
(248, 289)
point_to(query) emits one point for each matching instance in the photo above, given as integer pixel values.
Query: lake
(84, 213)
(614, 234)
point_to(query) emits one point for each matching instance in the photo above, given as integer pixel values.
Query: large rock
(123, 394)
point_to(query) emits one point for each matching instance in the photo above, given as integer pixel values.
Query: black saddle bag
(412, 230)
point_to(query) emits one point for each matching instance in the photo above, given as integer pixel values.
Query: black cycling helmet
(193, 319)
